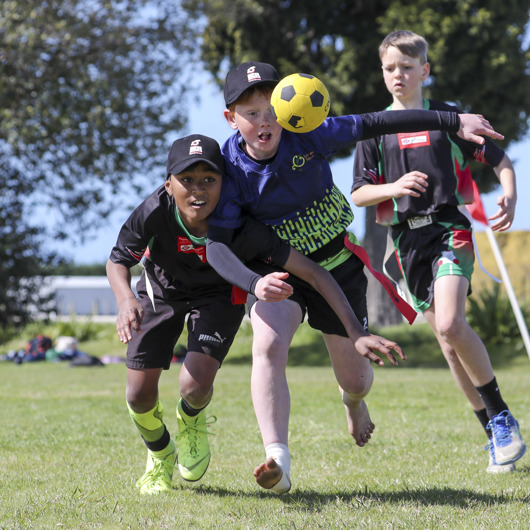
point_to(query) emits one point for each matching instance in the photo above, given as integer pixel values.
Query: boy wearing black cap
(284, 180)
(167, 233)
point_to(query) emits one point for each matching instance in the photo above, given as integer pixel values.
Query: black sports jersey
(442, 156)
(177, 258)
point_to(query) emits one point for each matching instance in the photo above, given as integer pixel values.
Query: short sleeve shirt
(442, 156)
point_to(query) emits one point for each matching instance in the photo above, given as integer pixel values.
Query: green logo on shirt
(298, 161)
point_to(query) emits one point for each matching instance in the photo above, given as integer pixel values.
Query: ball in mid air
(300, 102)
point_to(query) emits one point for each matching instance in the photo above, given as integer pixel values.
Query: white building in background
(83, 295)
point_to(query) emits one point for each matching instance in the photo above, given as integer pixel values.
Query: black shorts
(430, 252)
(212, 325)
(320, 316)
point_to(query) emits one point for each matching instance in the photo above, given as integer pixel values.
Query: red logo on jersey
(186, 246)
(417, 139)
(479, 154)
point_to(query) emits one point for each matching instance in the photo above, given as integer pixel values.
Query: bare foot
(268, 474)
(360, 425)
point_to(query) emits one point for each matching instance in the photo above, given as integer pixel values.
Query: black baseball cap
(192, 149)
(246, 75)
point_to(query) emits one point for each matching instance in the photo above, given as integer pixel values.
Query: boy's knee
(141, 400)
(450, 329)
(271, 348)
(195, 392)
(271, 356)
(356, 387)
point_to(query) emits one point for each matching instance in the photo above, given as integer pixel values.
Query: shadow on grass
(366, 498)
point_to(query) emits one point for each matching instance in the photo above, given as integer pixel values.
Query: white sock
(280, 453)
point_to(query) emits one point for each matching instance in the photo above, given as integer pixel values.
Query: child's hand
(471, 125)
(412, 184)
(504, 214)
(366, 345)
(130, 315)
(271, 288)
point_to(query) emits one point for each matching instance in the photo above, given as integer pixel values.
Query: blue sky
(206, 117)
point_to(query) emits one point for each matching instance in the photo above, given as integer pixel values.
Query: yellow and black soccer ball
(300, 102)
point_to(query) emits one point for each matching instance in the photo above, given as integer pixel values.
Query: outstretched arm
(228, 265)
(471, 125)
(130, 312)
(271, 288)
(467, 126)
(322, 281)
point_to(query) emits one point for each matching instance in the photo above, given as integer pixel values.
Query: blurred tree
(89, 93)
(480, 59)
(21, 256)
(478, 53)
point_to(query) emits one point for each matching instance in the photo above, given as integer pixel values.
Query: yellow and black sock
(151, 427)
(188, 409)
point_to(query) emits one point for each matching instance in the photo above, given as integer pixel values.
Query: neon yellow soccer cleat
(159, 471)
(193, 446)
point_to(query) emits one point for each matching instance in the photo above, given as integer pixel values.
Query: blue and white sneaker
(507, 440)
(493, 467)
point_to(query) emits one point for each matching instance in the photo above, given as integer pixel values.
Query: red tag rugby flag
(477, 209)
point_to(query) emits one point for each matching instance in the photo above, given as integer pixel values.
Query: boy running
(167, 232)
(419, 181)
(284, 180)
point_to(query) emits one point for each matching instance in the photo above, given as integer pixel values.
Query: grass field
(70, 456)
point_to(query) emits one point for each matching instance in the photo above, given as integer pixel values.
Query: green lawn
(70, 456)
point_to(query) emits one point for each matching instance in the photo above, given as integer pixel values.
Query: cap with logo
(192, 149)
(246, 75)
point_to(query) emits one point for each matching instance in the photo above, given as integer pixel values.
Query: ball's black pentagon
(306, 75)
(317, 99)
(274, 113)
(293, 121)
(288, 93)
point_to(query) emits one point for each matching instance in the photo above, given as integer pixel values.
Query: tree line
(92, 92)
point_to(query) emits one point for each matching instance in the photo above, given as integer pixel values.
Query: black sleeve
(366, 164)
(384, 122)
(230, 267)
(133, 238)
(489, 153)
(253, 241)
(220, 235)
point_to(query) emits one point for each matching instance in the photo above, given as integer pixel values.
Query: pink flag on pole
(477, 208)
